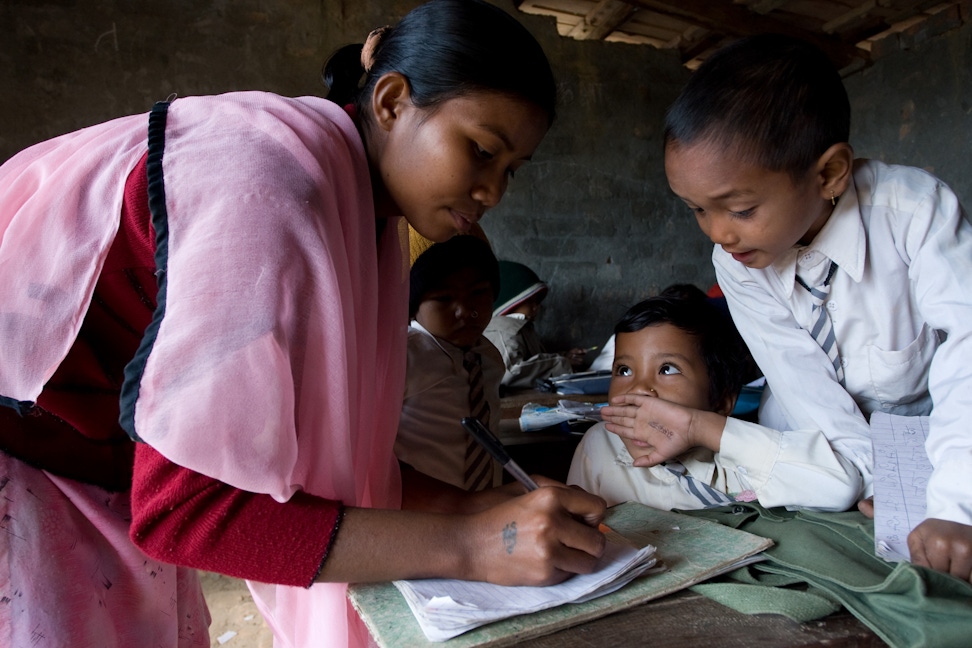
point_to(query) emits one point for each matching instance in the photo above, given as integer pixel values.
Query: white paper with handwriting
(446, 608)
(901, 472)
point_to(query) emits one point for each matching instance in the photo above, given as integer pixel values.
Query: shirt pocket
(901, 377)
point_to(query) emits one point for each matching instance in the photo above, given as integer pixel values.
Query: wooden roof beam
(885, 15)
(736, 20)
(604, 18)
(766, 6)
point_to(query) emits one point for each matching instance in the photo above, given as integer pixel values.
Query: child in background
(847, 278)
(511, 330)
(681, 348)
(452, 288)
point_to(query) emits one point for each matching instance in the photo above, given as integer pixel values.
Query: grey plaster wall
(592, 214)
(914, 107)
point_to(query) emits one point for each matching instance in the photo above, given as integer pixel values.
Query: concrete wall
(914, 106)
(592, 214)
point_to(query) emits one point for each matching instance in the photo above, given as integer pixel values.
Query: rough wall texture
(914, 106)
(592, 214)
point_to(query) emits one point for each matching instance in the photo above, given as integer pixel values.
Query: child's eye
(443, 299)
(745, 213)
(483, 153)
(623, 370)
(668, 369)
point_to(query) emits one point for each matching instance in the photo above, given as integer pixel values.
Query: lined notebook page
(445, 608)
(901, 472)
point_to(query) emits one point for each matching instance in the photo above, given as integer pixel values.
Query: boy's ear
(391, 94)
(834, 170)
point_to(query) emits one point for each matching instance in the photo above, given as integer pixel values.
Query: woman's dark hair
(686, 307)
(442, 260)
(446, 49)
(776, 101)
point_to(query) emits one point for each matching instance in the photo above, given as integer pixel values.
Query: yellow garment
(417, 244)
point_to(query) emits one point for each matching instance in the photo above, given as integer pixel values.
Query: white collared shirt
(431, 438)
(901, 306)
(754, 463)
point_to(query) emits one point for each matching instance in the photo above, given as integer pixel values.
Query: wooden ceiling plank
(733, 20)
(602, 19)
(889, 17)
(708, 42)
(766, 6)
(832, 26)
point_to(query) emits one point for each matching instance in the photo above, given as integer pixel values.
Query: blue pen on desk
(496, 450)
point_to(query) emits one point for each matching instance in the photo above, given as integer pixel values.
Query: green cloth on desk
(833, 553)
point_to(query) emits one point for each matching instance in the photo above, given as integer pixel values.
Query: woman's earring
(474, 314)
(833, 199)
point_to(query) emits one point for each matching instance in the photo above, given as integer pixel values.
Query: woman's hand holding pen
(666, 429)
(541, 538)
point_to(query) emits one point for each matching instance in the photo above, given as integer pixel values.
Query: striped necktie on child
(823, 329)
(707, 496)
(479, 465)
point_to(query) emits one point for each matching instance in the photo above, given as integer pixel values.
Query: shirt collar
(451, 350)
(842, 239)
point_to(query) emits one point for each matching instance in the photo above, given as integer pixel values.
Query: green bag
(833, 555)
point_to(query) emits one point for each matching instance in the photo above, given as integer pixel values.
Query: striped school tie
(823, 328)
(707, 496)
(479, 465)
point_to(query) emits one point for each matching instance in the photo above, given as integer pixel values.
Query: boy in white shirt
(681, 348)
(452, 288)
(848, 279)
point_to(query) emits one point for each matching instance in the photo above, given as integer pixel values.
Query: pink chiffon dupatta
(54, 238)
(278, 362)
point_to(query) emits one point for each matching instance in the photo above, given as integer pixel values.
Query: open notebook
(466, 614)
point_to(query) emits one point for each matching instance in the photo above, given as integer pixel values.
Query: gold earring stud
(833, 199)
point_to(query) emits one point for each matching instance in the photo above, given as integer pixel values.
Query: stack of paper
(446, 608)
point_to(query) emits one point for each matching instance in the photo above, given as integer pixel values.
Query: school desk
(672, 616)
(689, 620)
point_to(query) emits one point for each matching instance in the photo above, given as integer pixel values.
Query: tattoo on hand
(661, 428)
(509, 537)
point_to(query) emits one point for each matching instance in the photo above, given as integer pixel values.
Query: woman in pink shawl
(235, 280)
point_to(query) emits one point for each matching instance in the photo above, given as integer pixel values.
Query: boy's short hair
(776, 101)
(686, 307)
(442, 260)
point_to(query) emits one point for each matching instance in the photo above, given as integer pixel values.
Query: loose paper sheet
(445, 608)
(901, 472)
